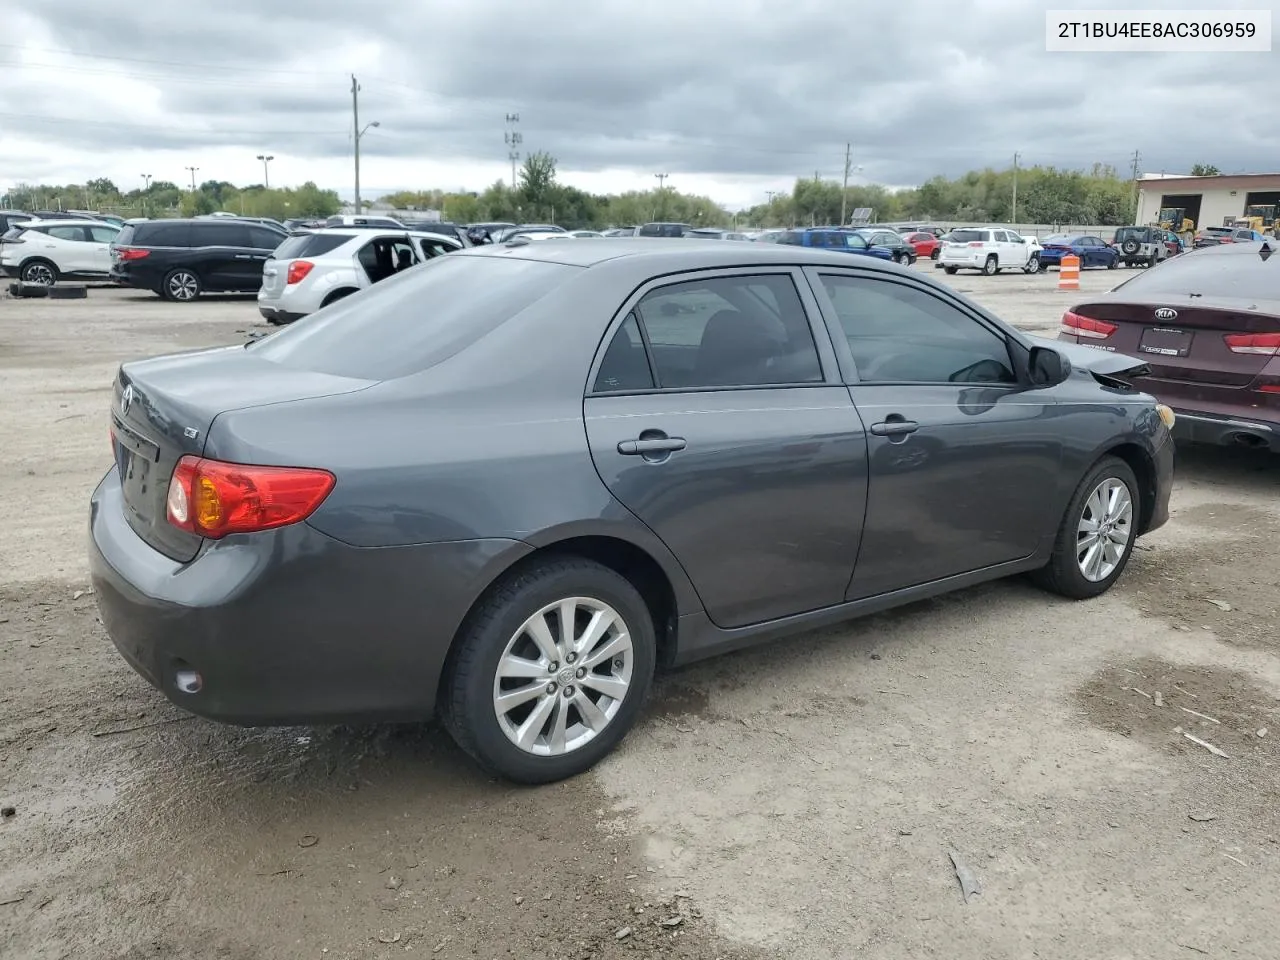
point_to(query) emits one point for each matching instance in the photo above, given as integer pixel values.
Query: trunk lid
(1190, 345)
(162, 410)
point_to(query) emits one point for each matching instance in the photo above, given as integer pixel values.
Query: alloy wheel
(40, 273)
(563, 676)
(1105, 529)
(183, 286)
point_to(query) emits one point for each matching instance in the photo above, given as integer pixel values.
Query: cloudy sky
(732, 98)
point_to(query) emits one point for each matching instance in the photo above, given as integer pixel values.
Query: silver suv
(312, 270)
(1140, 245)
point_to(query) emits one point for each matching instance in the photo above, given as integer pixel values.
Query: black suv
(1144, 245)
(180, 259)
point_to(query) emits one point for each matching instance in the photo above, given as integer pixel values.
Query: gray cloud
(918, 87)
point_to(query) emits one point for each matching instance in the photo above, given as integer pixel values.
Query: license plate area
(1165, 342)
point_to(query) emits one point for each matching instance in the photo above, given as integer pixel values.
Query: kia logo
(1166, 313)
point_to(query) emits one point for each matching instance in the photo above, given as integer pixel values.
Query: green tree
(1205, 170)
(538, 179)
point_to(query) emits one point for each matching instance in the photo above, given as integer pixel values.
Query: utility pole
(266, 178)
(355, 128)
(844, 188)
(1136, 157)
(1014, 217)
(662, 179)
(513, 139)
(193, 178)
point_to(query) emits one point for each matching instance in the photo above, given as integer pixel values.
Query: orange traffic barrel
(1069, 273)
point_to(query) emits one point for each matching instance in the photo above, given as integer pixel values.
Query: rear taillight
(131, 253)
(978, 243)
(1270, 388)
(297, 270)
(213, 499)
(1073, 324)
(1263, 344)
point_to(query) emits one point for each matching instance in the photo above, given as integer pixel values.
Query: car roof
(69, 222)
(664, 256)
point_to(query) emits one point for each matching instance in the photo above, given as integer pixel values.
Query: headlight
(1166, 415)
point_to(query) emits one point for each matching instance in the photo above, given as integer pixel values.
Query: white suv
(312, 270)
(989, 249)
(46, 251)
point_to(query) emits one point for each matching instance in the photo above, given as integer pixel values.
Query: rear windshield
(1239, 275)
(968, 236)
(414, 320)
(1125, 233)
(309, 245)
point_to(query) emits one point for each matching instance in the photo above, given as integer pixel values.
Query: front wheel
(1113, 263)
(1033, 264)
(39, 271)
(1095, 538)
(550, 671)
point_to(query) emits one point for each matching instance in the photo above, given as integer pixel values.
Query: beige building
(1208, 201)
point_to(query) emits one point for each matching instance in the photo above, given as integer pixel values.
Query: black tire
(951, 270)
(937, 252)
(1062, 574)
(181, 285)
(335, 297)
(904, 260)
(1130, 247)
(1115, 261)
(992, 266)
(28, 290)
(467, 706)
(39, 270)
(69, 291)
(1033, 264)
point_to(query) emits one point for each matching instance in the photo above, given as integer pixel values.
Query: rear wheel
(180, 286)
(551, 671)
(951, 270)
(1096, 536)
(937, 252)
(992, 266)
(336, 296)
(904, 259)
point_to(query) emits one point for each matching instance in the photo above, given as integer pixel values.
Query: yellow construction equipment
(1175, 219)
(1260, 217)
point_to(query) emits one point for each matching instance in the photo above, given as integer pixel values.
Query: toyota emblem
(126, 398)
(1166, 313)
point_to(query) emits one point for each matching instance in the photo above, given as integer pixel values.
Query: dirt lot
(798, 801)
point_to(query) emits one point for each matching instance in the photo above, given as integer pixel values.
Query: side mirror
(1048, 367)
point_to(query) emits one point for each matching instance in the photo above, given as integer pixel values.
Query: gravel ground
(802, 800)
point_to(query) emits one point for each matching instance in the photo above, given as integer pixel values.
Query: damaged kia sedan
(507, 486)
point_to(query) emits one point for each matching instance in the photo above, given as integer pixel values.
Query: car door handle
(894, 428)
(244, 256)
(638, 448)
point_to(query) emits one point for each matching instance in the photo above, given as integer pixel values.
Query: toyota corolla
(507, 485)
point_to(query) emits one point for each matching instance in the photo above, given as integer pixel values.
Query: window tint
(902, 334)
(1231, 276)
(1001, 236)
(792, 238)
(309, 245)
(219, 235)
(414, 320)
(161, 235)
(624, 365)
(968, 236)
(103, 234)
(434, 248)
(264, 238)
(66, 233)
(729, 332)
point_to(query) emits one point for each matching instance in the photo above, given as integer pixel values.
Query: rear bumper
(1224, 430)
(276, 315)
(287, 626)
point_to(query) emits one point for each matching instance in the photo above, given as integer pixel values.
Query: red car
(1207, 324)
(926, 244)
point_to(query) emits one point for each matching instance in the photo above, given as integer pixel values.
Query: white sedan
(46, 251)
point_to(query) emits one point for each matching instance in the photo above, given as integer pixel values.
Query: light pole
(662, 206)
(360, 133)
(193, 177)
(266, 178)
(146, 186)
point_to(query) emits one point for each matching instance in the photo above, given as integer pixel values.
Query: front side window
(729, 332)
(903, 334)
(103, 234)
(66, 233)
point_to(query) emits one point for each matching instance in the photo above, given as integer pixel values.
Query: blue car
(1092, 251)
(844, 241)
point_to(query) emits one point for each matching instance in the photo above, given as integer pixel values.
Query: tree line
(1043, 195)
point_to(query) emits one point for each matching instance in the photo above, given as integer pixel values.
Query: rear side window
(969, 236)
(791, 238)
(414, 319)
(1230, 276)
(264, 238)
(161, 235)
(220, 235)
(309, 245)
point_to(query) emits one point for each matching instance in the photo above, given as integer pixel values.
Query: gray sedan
(509, 484)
